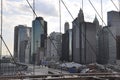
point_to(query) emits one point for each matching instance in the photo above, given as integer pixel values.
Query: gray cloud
(42, 8)
(16, 9)
(45, 8)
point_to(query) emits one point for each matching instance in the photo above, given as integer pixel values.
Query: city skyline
(60, 37)
(20, 14)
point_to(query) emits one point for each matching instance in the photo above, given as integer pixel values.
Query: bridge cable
(102, 20)
(41, 25)
(76, 25)
(114, 5)
(2, 40)
(1, 32)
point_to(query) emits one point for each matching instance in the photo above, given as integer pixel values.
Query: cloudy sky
(18, 12)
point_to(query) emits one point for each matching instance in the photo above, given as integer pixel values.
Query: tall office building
(114, 43)
(39, 34)
(67, 44)
(84, 40)
(103, 46)
(21, 37)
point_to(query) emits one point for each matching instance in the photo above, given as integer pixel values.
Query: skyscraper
(21, 36)
(103, 46)
(114, 43)
(67, 44)
(39, 34)
(84, 40)
(76, 37)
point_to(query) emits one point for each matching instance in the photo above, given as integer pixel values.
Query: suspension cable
(1, 32)
(102, 11)
(34, 15)
(119, 4)
(81, 32)
(2, 40)
(82, 4)
(14, 61)
(42, 25)
(102, 20)
(114, 5)
(31, 7)
(1, 27)
(67, 9)
(97, 12)
(60, 14)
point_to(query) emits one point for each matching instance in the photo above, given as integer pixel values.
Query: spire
(96, 21)
(81, 16)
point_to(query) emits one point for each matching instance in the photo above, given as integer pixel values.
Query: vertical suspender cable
(76, 25)
(60, 24)
(1, 32)
(102, 12)
(33, 9)
(60, 15)
(119, 4)
(82, 4)
(1, 27)
(41, 24)
(2, 40)
(33, 52)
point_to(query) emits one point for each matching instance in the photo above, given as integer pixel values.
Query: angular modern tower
(39, 34)
(21, 37)
(84, 40)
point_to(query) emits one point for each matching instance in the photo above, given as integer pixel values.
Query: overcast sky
(18, 12)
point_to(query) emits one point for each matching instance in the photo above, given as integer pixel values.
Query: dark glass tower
(39, 34)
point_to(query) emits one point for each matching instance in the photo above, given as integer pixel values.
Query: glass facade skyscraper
(39, 33)
(21, 37)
